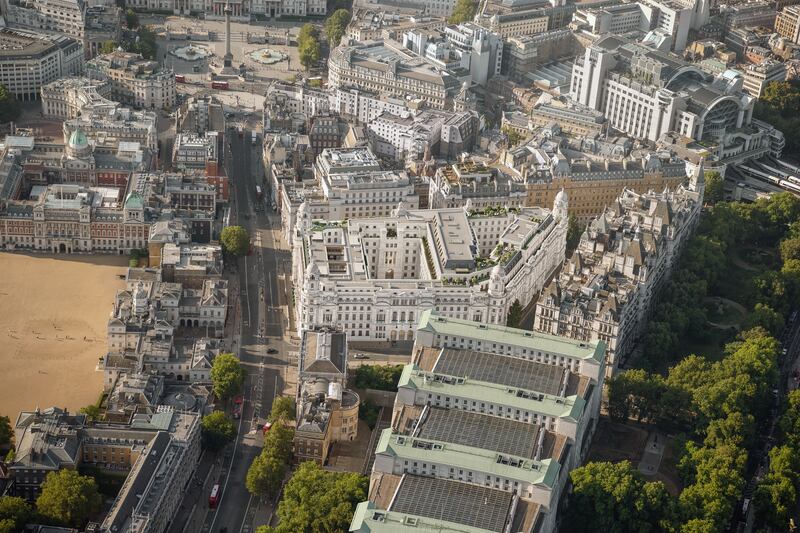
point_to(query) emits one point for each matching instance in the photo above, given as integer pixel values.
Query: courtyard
(53, 327)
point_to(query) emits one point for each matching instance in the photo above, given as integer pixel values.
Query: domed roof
(134, 201)
(78, 139)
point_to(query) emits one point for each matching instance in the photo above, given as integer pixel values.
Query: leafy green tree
(790, 248)
(106, 47)
(514, 315)
(268, 469)
(145, 43)
(336, 25)
(283, 408)
(6, 432)
(235, 241)
(217, 431)
(714, 188)
(464, 11)
(227, 376)
(68, 498)
(318, 500)
(92, 412)
(766, 317)
(790, 421)
(308, 47)
(14, 513)
(514, 137)
(614, 497)
(265, 475)
(574, 232)
(717, 484)
(131, 19)
(9, 106)
(378, 377)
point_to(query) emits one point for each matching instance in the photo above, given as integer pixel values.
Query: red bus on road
(180, 78)
(220, 85)
(213, 499)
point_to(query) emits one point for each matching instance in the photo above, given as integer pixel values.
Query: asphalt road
(263, 285)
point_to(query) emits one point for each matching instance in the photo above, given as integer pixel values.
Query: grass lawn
(737, 285)
(723, 313)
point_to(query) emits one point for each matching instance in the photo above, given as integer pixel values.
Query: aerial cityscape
(384, 266)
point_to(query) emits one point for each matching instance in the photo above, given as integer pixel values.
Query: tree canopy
(378, 377)
(14, 513)
(714, 188)
(9, 106)
(131, 19)
(217, 431)
(318, 500)
(336, 25)
(283, 408)
(514, 317)
(308, 47)
(227, 376)
(235, 241)
(6, 431)
(780, 106)
(613, 497)
(268, 469)
(464, 11)
(68, 498)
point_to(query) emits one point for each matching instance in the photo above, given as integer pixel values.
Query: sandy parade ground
(53, 314)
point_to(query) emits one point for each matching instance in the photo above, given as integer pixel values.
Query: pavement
(653, 452)
(259, 322)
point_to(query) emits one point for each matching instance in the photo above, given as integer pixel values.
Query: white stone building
(374, 277)
(135, 81)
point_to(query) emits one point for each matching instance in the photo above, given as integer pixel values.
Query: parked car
(361, 356)
(272, 351)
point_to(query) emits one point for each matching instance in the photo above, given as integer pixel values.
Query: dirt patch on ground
(53, 328)
(617, 442)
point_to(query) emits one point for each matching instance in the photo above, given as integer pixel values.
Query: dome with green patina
(78, 139)
(134, 201)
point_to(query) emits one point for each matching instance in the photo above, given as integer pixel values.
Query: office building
(135, 81)
(787, 23)
(606, 290)
(30, 60)
(374, 277)
(758, 76)
(487, 424)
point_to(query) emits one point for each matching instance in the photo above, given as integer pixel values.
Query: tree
(235, 241)
(765, 317)
(14, 513)
(574, 232)
(378, 377)
(265, 475)
(68, 498)
(790, 248)
(514, 137)
(267, 471)
(613, 497)
(308, 47)
(92, 412)
(514, 315)
(217, 431)
(464, 11)
(9, 107)
(318, 500)
(283, 408)
(714, 187)
(131, 19)
(106, 47)
(227, 376)
(6, 432)
(336, 25)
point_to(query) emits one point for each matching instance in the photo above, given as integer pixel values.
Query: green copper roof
(430, 321)
(544, 472)
(78, 138)
(369, 519)
(570, 407)
(134, 201)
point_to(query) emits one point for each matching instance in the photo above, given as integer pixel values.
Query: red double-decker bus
(220, 85)
(213, 499)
